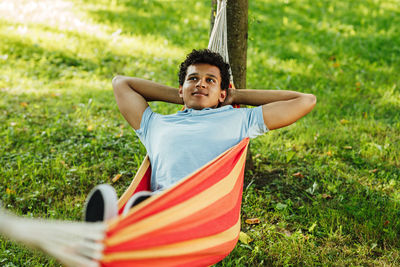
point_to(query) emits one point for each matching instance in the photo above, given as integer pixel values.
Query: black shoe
(101, 204)
(136, 199)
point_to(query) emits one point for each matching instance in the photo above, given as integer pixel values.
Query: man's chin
(200, 107)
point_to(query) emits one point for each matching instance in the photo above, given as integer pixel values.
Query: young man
(180, 143)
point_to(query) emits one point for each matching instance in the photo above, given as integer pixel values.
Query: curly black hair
(205, 56)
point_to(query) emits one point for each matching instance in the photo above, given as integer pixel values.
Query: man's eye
(210, 80)
(192, 78)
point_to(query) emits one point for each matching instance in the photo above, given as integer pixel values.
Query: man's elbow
(311, 100)
(117, 80)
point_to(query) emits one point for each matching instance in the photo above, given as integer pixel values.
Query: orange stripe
(178, 212)
(211, 220)
(186, 187)
(211, 245)
(184, 261)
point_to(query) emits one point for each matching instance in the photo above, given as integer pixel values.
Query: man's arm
(280, 107)
(132, 95)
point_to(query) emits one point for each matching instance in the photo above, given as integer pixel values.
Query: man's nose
(201, 83)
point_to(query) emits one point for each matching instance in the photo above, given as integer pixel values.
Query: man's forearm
(149, 90)
(260, 97)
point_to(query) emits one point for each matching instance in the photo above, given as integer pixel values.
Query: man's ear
(223, 95)
(180, 91)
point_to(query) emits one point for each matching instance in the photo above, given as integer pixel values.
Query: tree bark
(237, 22)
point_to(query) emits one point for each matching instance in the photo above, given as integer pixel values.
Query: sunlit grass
(57, 13)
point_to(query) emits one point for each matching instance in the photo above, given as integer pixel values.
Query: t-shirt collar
(204, 110)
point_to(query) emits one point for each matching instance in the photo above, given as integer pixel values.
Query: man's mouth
(199, 94)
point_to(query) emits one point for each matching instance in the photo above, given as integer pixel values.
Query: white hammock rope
(72, 243)
(80, 243)
(219, 38)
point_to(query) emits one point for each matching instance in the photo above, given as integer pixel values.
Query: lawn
(326, 189)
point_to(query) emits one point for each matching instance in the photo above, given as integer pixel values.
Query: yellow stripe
(138, 177)
(182, 210)
(113, 223)
(177, 249)
(135, 182)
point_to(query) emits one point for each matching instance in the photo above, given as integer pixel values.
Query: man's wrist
(236, 96)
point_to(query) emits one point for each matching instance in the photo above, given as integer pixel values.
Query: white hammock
(72, 243)
(219, 38)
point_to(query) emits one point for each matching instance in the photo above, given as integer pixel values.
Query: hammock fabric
(194, 223)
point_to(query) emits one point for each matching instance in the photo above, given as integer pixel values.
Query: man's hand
(230, 96)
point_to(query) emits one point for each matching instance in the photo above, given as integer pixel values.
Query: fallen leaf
(365, 115)
(329, 153)
(120, 134)
(348, 147)
(373, 171)
(23, 104)
(253, 221)
(332, 58)
(9, 191)
(63, 163)
(326, 196)
(116, 178)
(358, 84)
(385, 223)
(90, 128)
(344, 121)
(298, 174)
(244, 238)
(336, 65)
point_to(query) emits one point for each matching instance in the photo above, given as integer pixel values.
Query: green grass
(61, 132)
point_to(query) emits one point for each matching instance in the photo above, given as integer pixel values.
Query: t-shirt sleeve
(255, 122)
(147, 116)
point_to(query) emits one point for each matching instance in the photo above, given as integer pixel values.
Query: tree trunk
(237, 17)
(237, 20)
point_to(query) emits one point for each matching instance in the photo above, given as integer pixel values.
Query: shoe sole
(101, 204)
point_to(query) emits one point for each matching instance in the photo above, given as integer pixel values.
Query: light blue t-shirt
(181, 143)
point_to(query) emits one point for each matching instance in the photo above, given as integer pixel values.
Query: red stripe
(214, 219)
(144, 185)
(202, 258)
(191, 187)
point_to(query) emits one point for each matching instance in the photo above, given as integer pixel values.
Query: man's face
(202, 87)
